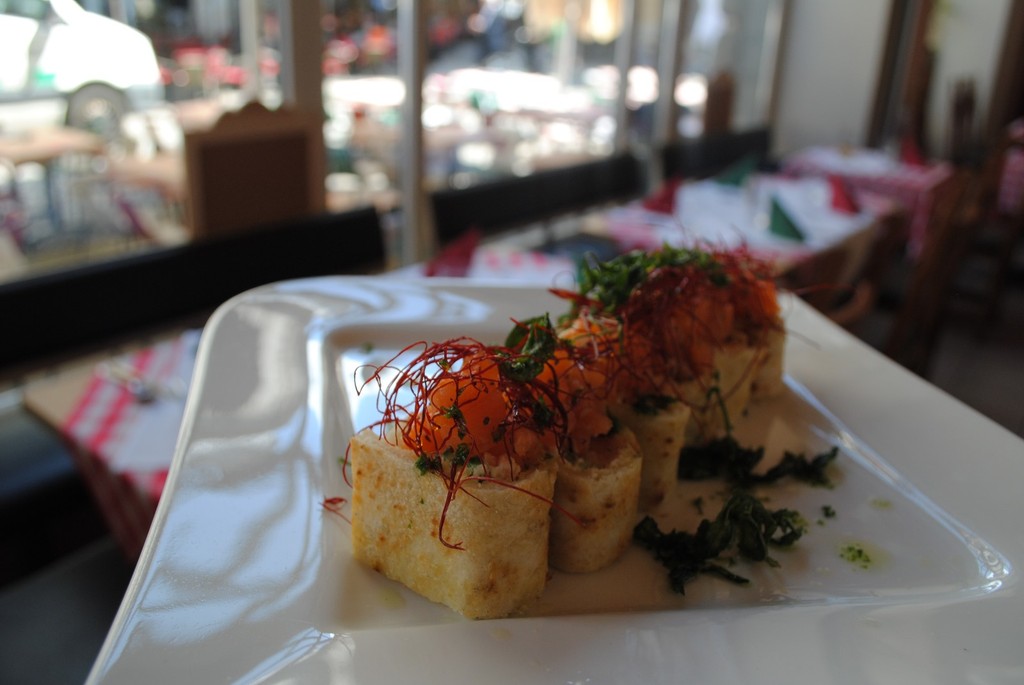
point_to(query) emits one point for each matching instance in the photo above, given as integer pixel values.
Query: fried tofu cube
(660, 434)
(601, 491)
(502, 532)
(768, 373)
(728, 390)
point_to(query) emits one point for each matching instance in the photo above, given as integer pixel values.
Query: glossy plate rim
(957, 458)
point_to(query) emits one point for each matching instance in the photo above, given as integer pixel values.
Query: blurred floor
(52, 624)
(984, 368)
(981, 365)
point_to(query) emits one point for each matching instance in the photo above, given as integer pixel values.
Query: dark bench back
(56, 314)
(518, 201)
(707, 155)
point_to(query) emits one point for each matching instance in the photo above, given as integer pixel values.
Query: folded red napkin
(842, 200)
(663, 200)
(910, 152)
(456, 258)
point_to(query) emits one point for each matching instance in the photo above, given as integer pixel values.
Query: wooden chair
(989, 257)
(887, 250)
(914, 333)
(849, 302)
(812, 279)
(253, 167)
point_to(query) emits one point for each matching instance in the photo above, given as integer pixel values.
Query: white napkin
(511, 265)
(520, 266)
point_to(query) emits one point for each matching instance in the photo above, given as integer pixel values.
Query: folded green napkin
(781, 224)
(736, 173)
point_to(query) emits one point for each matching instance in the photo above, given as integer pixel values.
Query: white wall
(833, 51)
(829, 68)
(969, 34)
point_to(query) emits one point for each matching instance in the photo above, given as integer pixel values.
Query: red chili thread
(672, 322)
(335, 505)
(453, 438)
(743, 290)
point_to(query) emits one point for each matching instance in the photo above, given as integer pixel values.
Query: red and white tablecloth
(1011, 183)
(124, 446)
(873, 171)
(724, 216)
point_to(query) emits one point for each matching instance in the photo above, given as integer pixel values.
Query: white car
(101, 68)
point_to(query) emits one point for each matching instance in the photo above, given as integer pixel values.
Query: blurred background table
(119, 418)
(46, 146)
(874, 171)
(43, 145)
(714, 214)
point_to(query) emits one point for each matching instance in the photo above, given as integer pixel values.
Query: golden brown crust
(660, 436)
(503, 532)
(738, 364)
(768, 373)
(602, 495)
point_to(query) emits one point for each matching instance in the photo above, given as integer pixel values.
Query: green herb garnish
(743, 525)
(534, 342)
(726, 458)
(719, 458)
(611, 282)
(856, 554)
(426, 463)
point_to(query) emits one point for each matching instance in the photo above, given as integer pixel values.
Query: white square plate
(245, 577)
